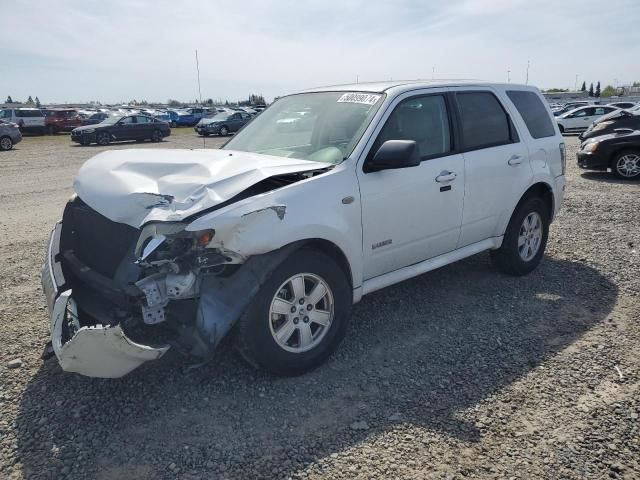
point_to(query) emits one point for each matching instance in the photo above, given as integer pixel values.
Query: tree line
(30, 101)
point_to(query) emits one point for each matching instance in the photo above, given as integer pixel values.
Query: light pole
(508, 76)
(527, 80)
(575, 85)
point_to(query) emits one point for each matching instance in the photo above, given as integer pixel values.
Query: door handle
(446, 177)
(515, 160)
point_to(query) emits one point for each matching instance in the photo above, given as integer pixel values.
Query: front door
(124, 129)
(412, 214)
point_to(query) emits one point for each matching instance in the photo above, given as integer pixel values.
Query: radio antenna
(204, 141)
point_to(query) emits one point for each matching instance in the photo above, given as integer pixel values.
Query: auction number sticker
(364, 98)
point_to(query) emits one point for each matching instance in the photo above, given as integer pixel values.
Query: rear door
(143, 127)
(496, 163)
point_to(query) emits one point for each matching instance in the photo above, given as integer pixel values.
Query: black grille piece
(98, 242)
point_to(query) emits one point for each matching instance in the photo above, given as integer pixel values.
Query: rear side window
(483, 120)
(533, 113)
(28, 113)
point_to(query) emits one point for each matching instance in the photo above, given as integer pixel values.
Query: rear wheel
(6, 143)
(173, 124)
(626, 165)
(525, 239)
(103, 138)
(299, 316)
(156, 136)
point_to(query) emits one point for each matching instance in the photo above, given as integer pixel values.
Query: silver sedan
(9, 135)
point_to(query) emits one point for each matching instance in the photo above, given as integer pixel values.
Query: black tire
(507, 258)
(224, 131)
(103, 138)
(51, 131)
(615, 168)
(156, 136)
(254, 339)
(6, 143)
(173, 124)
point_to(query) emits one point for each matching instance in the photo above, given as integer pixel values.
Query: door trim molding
(404, 273)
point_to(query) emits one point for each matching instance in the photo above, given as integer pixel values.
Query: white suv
(282, 230)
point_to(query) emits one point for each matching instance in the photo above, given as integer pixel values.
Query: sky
(120, 50)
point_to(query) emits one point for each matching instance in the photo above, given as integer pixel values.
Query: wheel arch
(539, 189)
(332, 250)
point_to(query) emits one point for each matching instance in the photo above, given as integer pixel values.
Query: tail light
(563, 157)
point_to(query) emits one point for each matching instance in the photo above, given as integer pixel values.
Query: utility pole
(527, 80)
(433, 72)
(575, 85)
(508, 76)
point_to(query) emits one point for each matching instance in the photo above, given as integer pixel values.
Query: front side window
(582, 113)
(533, 113)
(322, 126)
(483, 120)
(141, 119)
(424, 120)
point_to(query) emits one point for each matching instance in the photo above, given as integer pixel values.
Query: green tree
(584, 87)
(29, 100)
(591, 90)
(609, 91)
(598, 90)
(173, 103)
(37, 102)
(9, 99)
(556, 90)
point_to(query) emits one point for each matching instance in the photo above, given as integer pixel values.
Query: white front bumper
(97, 350)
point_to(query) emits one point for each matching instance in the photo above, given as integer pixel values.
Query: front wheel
(224, 131)
(103, 138)
(173, 124)
(6, 143)
(299, 316)
(525, 239)
(626, 165)
(156, 136)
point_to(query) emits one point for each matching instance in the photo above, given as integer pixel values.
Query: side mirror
(394, 154)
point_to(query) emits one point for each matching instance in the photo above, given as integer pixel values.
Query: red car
(61, 120)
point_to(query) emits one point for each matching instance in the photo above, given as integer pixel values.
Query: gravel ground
(460, 373)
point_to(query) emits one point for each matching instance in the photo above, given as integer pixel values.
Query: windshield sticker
(364, 98)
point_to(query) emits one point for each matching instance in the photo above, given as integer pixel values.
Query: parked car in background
(277, 235)
(162, 115)
(118, 128)
(222, 123)
(567, 107)
(619, 119)
(624, 105)
(9, 135)
(61, 120)
(28, 119)
(580, 119)
(95, 118)
(183, 118)
(617, 151)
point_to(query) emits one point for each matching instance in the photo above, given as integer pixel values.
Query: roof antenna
(204, 140)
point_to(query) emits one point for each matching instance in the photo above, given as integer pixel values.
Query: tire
(103, 138)
(224, 131)
(156, 136)
(6, 143)
(51, 131)
(256, 333)
(626, 165)
(522, 249)
(173, 124)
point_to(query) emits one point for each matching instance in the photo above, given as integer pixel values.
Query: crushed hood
(142, 185)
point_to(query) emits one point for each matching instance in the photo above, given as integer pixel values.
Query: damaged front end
(120, 296)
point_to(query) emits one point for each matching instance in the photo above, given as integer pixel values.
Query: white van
(28, 119)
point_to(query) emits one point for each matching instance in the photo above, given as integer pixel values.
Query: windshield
(324, 126)
(112, 119)
(218, 117)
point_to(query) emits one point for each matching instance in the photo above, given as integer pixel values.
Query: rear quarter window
(533, 113)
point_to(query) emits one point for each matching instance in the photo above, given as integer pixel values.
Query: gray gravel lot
(459, 373)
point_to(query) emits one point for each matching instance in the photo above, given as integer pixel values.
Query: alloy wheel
(5, 143)
(301, 312)
(530, 236)
(628, 165)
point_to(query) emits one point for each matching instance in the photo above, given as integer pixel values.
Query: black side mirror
(394, 154)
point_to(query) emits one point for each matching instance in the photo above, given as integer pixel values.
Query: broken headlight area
(147, 282)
